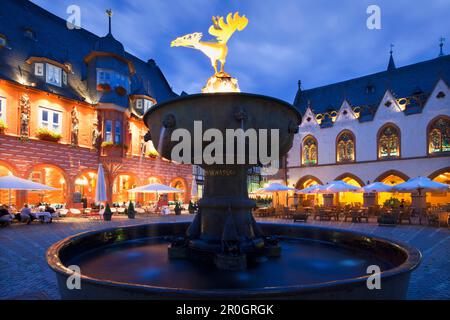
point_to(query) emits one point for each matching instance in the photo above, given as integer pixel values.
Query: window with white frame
(53, 74)
(108, 131)
(118, 132)
(113, 79)
(3, 108)
(144, 104)
(50, 119)
(39, 69)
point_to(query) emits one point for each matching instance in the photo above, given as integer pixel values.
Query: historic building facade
(69, 101)
(387, 127)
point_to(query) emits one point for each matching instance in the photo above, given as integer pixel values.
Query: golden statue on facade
(216, 51)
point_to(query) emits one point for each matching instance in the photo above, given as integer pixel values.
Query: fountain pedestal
(224, 230)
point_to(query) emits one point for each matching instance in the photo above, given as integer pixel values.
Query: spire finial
(109, 13)
(391, 65)
(441, 45)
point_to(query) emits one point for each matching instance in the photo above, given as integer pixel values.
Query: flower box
(48, 135)
(103, 87)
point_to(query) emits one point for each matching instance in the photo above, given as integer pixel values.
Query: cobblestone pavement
(24, 273)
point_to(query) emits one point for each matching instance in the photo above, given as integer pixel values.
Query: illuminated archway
(442, 176)
(85, 184)
(178, 183)
(7, 169)
(309, 199)
(350, 197)
(392, 178)
(50, 175)
(122, 183)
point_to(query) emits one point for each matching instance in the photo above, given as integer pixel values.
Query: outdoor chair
(300, 216)
(322, 214)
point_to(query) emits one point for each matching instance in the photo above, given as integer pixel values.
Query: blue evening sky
(315, 41)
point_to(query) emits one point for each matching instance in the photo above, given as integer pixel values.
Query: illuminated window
(108, 131)
(64, 77)
(3, 108)
(389, 142)
(144, 104)
(345, 148)
(53, 74)
(50, 119)
(309, 151)
(439, 136)
(113, 79)
(117, 132)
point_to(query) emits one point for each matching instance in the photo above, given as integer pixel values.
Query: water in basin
(303, 262)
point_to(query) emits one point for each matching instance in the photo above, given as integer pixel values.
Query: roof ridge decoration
(391, 64)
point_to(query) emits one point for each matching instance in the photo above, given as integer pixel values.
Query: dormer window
(370, 88)
(29, 33)
(110, 79)
(53, 74)
(144, 104)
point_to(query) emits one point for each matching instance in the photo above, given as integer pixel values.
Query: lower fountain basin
(317, 263)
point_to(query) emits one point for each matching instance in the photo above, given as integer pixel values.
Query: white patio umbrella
(314, 189)
(11, 182)
(273, 188)
(194, 189)
(419, 185)
(375, 188)
(100, 188)
(338, 186)
(156, 188)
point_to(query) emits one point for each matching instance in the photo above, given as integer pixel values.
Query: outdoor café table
(42, 216)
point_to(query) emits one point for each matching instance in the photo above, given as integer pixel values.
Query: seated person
(5, 217)
(49, 209)
(26, 215)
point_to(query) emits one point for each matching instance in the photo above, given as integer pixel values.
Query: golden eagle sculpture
(217, 52)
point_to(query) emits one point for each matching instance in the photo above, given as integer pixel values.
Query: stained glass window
(309, 151)
(345, 147)
(439, 136)
(389, 142)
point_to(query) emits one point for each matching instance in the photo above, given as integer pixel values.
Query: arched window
(389, 142)
(345, 147)
(439, 136)
(309, 151)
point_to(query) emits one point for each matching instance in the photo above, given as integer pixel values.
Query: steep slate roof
(55, 41)
(368, 91)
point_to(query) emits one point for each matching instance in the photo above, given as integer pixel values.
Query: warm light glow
(81, 182)
(219, 83)
(217, 52)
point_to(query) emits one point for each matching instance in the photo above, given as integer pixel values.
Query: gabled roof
(55, 41)
(368, 91)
